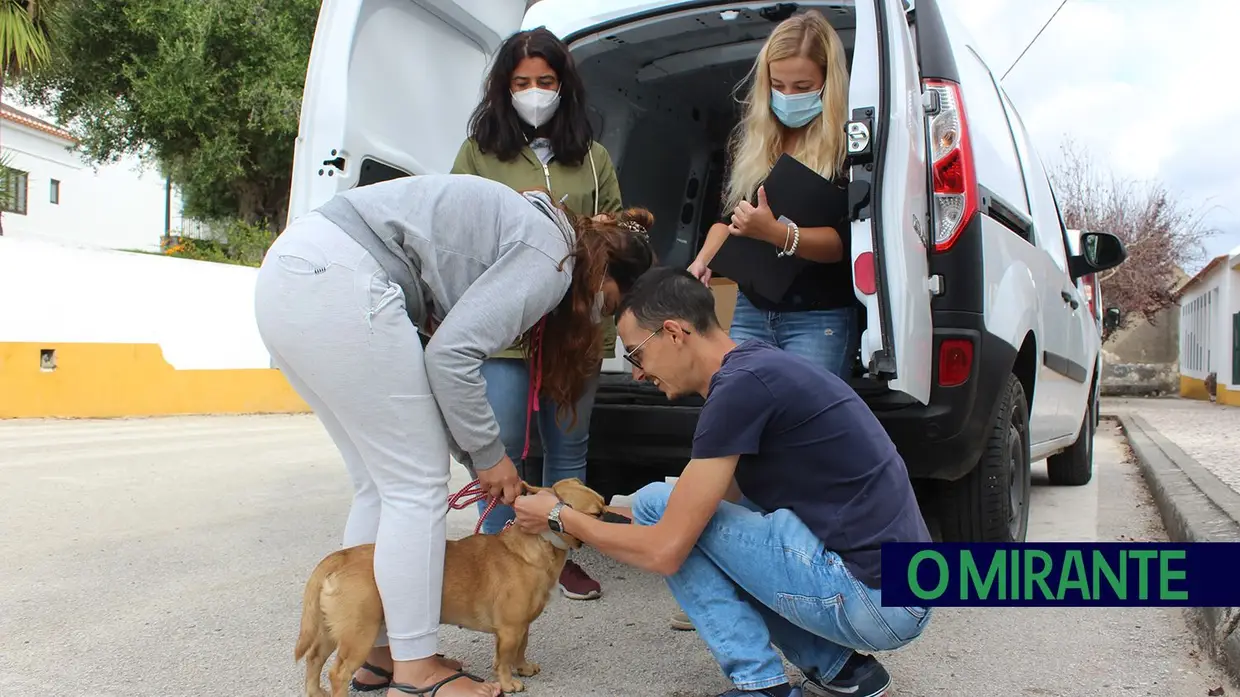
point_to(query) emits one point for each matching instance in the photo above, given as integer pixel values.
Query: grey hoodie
(478, 258)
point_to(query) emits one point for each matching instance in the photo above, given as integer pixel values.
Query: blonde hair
(757, 141)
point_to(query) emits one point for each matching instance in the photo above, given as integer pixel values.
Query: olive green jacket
(526, 172)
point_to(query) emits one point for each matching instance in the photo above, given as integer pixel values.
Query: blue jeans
(564, 448)
(754, 578)
(828, 338)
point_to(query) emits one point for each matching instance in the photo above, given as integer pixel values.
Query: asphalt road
(166, 557)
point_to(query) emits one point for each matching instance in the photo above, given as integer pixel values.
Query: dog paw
(511, 685)
(528, 669)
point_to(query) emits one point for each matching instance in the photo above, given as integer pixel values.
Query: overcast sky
(1128, 78)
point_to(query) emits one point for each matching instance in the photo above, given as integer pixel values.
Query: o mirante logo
(1061, 574)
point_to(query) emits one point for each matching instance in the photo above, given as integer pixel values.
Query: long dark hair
(495, 125)
(617, 246)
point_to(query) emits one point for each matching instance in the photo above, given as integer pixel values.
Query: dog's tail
(311, 610)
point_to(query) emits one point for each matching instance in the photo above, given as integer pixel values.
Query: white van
(976, 352)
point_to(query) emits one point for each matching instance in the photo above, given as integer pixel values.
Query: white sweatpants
(336, 327)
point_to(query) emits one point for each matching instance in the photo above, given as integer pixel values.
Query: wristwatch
(553, 518)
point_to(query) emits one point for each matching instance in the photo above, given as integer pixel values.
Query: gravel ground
(1208, 432)
(166, 557)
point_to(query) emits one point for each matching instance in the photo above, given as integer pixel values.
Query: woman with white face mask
(797, 105)
(530, 132)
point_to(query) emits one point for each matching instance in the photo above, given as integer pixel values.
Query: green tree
(210, 90)
(23, 46)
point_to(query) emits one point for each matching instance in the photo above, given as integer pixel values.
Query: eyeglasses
(631, 356)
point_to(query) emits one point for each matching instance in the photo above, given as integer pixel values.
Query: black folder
(806, 198)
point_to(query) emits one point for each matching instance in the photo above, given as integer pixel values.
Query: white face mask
(596, 310)
(536, 106)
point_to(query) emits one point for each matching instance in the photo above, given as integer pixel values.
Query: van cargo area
(664, 95)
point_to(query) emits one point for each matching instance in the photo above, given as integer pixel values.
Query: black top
(818, 286)
(809, 444)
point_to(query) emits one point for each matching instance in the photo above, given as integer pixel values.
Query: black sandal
(372, 687)
(432, 690)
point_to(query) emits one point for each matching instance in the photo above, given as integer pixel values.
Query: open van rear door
(389, 89)
(890, 233)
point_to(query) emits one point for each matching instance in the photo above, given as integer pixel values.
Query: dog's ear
(527, 488)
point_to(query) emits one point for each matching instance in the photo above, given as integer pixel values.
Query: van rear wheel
(991, 503)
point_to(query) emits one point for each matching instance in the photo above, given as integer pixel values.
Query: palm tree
(24, 45)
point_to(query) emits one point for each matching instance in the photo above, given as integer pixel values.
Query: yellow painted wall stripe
(1193, 388)
(118, 380)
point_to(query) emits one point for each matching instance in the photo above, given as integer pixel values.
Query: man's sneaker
(680, 621)
(862, 676)
(575, 583)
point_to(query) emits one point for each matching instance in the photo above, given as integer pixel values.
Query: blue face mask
(796, 110)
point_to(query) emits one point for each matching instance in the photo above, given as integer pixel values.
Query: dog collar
(555, 540)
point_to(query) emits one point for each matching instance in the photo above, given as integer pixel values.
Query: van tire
(991, 503)
(1075, 466)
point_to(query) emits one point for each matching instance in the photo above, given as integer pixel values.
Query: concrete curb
(1196, 506)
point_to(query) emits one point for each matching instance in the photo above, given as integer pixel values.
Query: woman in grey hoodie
(379, 308)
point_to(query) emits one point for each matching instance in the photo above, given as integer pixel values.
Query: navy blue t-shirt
(809, 443)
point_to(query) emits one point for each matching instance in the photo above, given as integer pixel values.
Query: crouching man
(771, 536)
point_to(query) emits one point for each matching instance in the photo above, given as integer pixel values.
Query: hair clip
(635, 227)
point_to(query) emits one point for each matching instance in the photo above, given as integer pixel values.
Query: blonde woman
(797, 104)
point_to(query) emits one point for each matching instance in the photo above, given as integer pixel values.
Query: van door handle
(1067, 297)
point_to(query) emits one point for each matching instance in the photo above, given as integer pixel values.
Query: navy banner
(1063, 574)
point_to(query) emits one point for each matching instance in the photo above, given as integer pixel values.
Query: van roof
(564, 17)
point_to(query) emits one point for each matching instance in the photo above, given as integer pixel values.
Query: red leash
(469, 495)
(472, 493)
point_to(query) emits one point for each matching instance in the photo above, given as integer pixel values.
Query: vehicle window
(1063, 232)
(998, 167)
(1049, 231)
(1046, 219)
(1018, 136)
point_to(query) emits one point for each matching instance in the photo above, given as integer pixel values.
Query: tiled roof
(1200, 276)
(18, 116)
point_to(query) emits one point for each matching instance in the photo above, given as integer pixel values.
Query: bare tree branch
(1160, 232)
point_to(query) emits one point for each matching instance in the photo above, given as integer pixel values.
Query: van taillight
(955, 362)
(951, 158)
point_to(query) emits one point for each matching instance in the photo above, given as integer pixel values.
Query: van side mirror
(1099, 251)
(1111, 320)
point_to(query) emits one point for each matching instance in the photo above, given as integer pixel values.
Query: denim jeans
(829, 338)
(564, 448)
(754, 579)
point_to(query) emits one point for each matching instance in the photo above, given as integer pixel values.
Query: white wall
(200, 313)
(116, 206)
(1205, 325)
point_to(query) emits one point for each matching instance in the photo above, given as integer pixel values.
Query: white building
(1210, 331)
(61, 197)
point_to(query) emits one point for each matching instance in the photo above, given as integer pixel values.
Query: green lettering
(944, 574)
(1166, 574)
(971, 579)
(1143, 574)
(1038, 577)
(1014, 583)
(1118, 584)
(1073, 562)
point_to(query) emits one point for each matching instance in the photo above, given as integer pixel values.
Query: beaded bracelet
(795, 232)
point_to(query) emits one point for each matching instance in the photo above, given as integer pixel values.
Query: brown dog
(497, 584)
